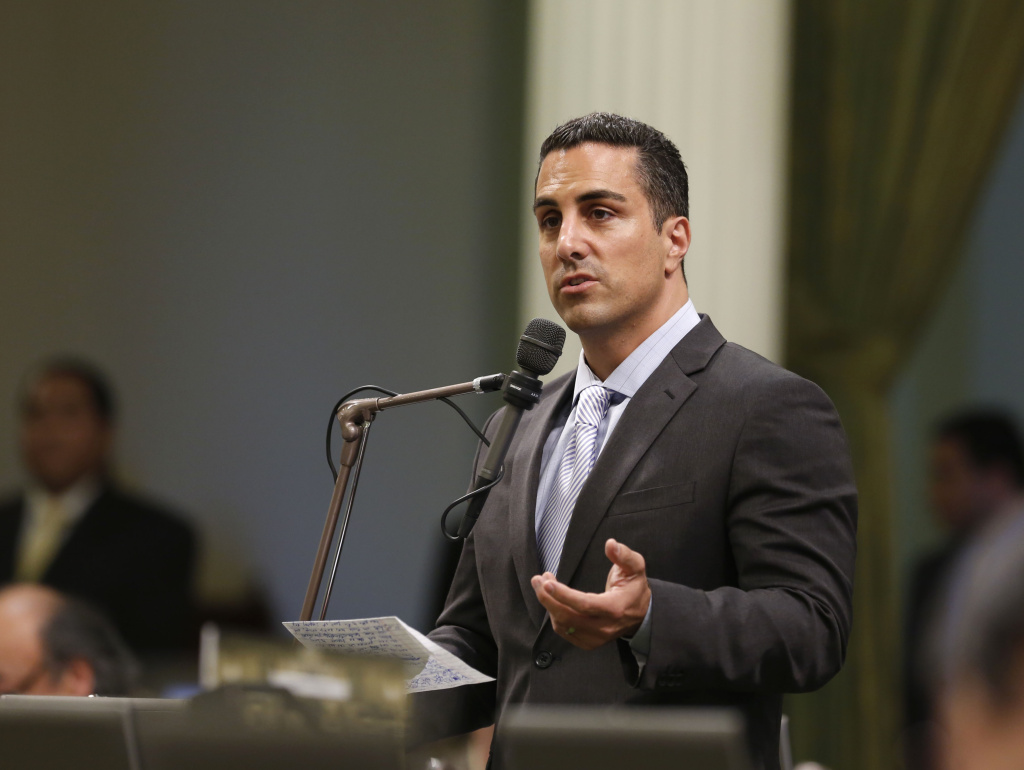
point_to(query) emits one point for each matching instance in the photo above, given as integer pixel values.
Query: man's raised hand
(590, 620)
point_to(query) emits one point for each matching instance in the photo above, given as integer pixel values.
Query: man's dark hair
(660, 169)
(989, 438)
(78, 632)
(100, 390)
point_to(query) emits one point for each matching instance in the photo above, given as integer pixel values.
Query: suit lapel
(537, 424)
(646, 415)
(12, 517)
(84, 539)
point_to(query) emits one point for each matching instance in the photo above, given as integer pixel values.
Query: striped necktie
(579, 457)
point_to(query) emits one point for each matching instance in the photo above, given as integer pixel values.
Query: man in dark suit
(74, 530)
(687, 535)
(976, 646)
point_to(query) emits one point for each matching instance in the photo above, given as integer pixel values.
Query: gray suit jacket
(731, 476)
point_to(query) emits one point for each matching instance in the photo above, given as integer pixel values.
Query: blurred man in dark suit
(74, 530)
(977, 471)
(977, 653)
(52, 645)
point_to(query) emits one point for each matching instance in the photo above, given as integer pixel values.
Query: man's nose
(572, 243)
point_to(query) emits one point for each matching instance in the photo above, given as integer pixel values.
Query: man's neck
(604, 350)
(84, 486)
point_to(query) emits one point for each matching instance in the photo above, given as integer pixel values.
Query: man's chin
(56, 483)
(581, 320)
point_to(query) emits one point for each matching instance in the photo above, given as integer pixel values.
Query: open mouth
(574, 281)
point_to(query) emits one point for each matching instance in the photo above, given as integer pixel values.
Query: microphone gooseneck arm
(539, 348)
(354, 418)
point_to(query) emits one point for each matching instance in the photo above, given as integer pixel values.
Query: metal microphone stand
(355, 417)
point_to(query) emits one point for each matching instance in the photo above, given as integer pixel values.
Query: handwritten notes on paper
(380, 637)
(430, 666)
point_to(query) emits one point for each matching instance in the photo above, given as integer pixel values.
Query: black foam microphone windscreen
(540, 346)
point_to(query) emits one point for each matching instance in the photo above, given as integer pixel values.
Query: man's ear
(77, 678)
(677, 231)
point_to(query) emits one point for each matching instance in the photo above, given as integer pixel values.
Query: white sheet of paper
(431, 667)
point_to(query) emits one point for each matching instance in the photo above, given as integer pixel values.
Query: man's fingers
(548, 595)
(577, 601)
(585, 619)
(624, 556)
(558, 598)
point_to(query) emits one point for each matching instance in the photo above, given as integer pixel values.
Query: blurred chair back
(39, 732)
(613, 738)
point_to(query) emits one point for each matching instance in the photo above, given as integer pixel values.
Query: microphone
(539, 349)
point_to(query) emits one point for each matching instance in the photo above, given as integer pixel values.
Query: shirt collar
(75, 500)
(641, 363)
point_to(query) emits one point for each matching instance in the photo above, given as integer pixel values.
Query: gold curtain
(898, 110)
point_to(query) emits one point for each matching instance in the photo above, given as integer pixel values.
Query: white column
(713, 76)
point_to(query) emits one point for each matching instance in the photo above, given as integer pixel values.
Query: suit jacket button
(544, 659)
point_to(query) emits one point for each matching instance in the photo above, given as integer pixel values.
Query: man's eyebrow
(593, 195)
(596, 195)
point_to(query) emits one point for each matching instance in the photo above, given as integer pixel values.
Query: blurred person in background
(73, 529)
(978, 646)
(52, 645)
(977, 472)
